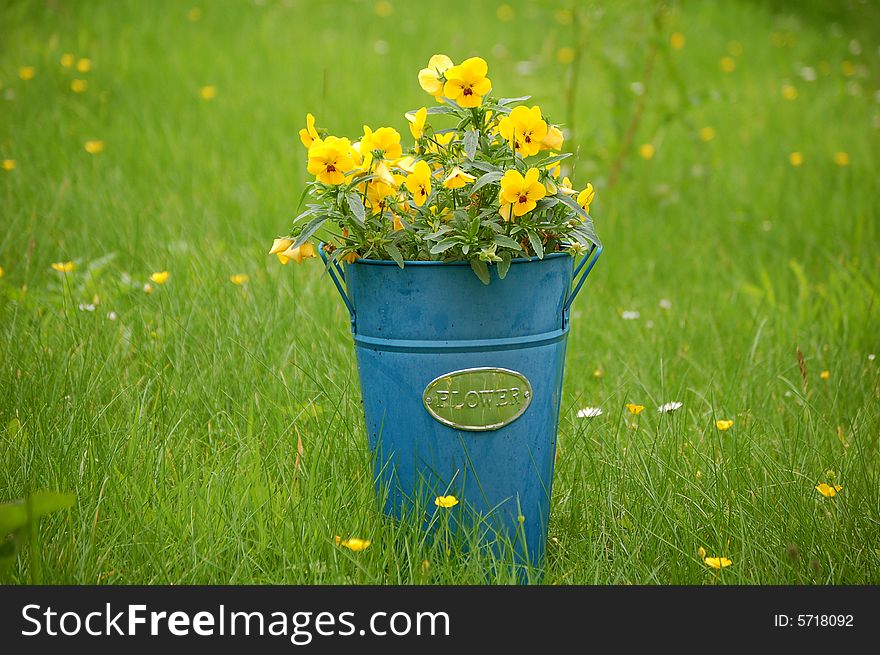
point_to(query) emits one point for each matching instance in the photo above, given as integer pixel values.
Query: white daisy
(630, 315)
(589, 412)
(669, 407)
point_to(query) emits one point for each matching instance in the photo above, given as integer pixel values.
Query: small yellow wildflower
(67, 60)
(457, 178)
(827, 490)
(789, 92)
(717, 562)
(727, 64)
(433, 77)
(160, 277)
(646, 151)
(27, 73)
(723, 424)
(384, 8)
(466, 84)
(847, 68)
(239, 279)
(94, 147)
(194, 14)
(417, 122)
(635, 409)
(565, 55)
(701, 552)
(419, 182)
(504, 13)
(305, 251)
(553, 140)
(8, 164)
(841, 158)
(796, 159)
(63, 267)
(677, 40)
(148, 288)
(278, 248)
(84, 65)
(707, 133)
(824, 375)
(446, 501)
(354, 543)
(78, 85)
(520, 193)
(598, 373)
(208, 92)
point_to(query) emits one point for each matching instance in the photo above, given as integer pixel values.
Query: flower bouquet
(485, 188)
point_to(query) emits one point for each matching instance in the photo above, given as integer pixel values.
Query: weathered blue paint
(428, 319)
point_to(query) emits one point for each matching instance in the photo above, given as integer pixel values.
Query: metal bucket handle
(338, 277)
(583, 268)
(586, 265)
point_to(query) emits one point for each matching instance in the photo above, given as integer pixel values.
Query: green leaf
(471, 140)
(313, 226)
(482, 271)
(537, 246)
(394, 252)
(438, 109)
(481, 165)
(586, 227)
(13, 516)
(510, 101)
(552, 160)
(444, 245)
(507, 242)
(357, 206)
(504, 265)
(487, 178)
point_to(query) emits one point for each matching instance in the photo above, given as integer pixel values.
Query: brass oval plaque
(478, 399)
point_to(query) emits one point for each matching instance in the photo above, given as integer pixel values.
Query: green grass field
(174, 416)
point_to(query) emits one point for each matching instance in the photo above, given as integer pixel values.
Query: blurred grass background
(175, 416)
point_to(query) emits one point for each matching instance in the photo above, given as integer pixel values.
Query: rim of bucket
(412, 262)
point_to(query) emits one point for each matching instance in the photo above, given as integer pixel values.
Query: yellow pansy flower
(308, 135)
(635, 409)
(525, 129)
(354, 543)
(553, 140)
(417, 122)
(27, 73)
(586, 196)
(208, 92)
(78, 86)
(67, 60)
(432, 78)
(396, 223)
(827, 490)
(84, 65)
(566, 187)
(330, 160)
(8, 164)
(466, 84)
(386, 140)
(406, 164)
(521, 192)
(723, 424)
(440, 140)
(239, 279)
(446, 501)
(717, 562)
(419, 183)
(160, 277)
(63, 267)
(278, 248)
(305, 251)
(94, 147)
(457, 178)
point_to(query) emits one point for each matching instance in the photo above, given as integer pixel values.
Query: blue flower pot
(461, 385)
